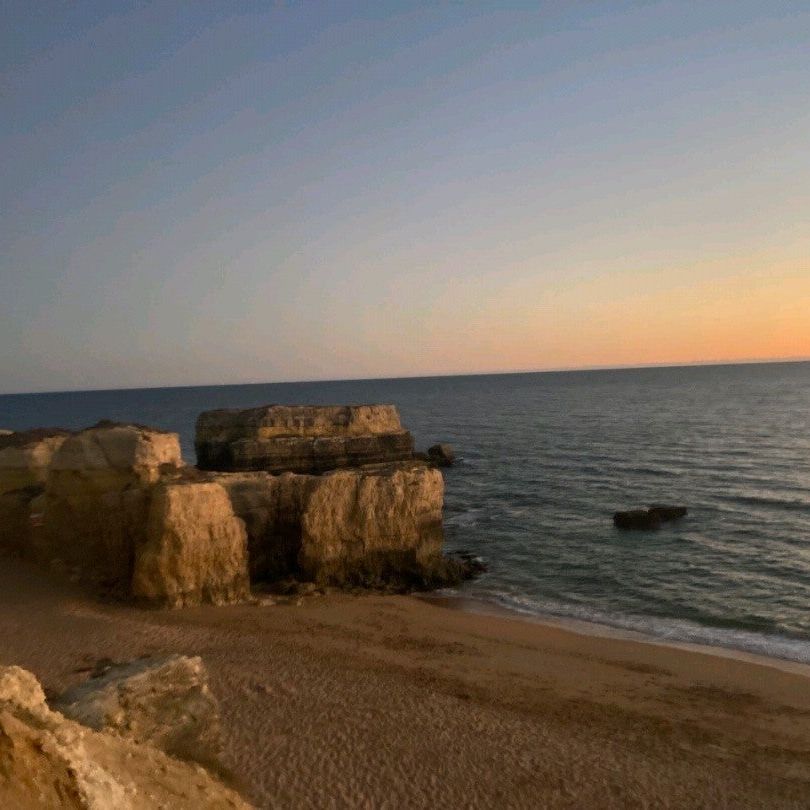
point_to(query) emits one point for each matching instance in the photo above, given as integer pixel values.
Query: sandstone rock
(372, 525)
(25, 457)
(17, 515)
(668, 513)
(97, 499)
(639, 519)
(4, 432)
(442, 455)
(195, 550)
(166, 702)
(271, 507)
(300, 438)
(47, 761)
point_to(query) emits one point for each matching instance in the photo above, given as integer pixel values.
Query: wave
(658, 628)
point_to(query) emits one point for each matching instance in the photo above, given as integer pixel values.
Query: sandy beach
(392, 701)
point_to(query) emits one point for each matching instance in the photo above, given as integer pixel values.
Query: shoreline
(373, 700)
(490, 607)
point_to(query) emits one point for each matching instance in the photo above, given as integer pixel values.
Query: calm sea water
(545, 459)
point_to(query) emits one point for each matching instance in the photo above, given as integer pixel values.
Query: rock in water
(300, 438)
(442, 455)
(637, 519)
(195, 550)
(165, 702)
(50, 762)
(667, 513)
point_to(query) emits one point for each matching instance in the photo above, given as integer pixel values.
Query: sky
(203, 193)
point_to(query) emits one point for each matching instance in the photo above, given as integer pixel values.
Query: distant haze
(212, 192)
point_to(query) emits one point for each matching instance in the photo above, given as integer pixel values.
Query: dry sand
(394, 702)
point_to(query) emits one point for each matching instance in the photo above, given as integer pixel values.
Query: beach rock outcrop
(25, 461)
(97, 500)
(300, 438)
(194, 550)
(373, 525)
(50, 762)
(377, 525)
(441, 455)
(166, 702)
(25, 457)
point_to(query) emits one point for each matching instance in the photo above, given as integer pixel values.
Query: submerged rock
(300, 438)
(442, 455)
(50, 762)
(195, 548)
(639, 519)
(165, 702)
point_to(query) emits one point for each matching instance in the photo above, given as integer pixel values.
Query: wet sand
(397, 702)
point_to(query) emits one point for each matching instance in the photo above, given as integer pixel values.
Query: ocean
(545, 459)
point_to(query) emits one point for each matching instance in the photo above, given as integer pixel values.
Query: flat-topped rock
(300, 438)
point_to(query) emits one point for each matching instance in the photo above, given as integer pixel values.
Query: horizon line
(553, 370)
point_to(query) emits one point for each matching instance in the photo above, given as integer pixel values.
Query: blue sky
(232, 192)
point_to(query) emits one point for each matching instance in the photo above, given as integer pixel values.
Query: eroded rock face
(165, 702)
(271, 507)
(373, 524)
(378, 525)
(300, 438)
(47, 761)
(97, 500)
(195, 549)
(25, 457)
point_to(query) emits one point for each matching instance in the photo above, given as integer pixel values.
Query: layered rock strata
(300, 438)
(50, 762)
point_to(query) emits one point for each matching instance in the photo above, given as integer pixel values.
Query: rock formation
(639, 519)
(25, 461)
(441, 455)
(25, 457)
(668, 513)
(195, 548)
(97, 500)
(165, 702)
(49, 762)
(331, 495)
(300, 438)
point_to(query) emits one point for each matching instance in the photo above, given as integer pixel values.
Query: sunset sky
(243, 192)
